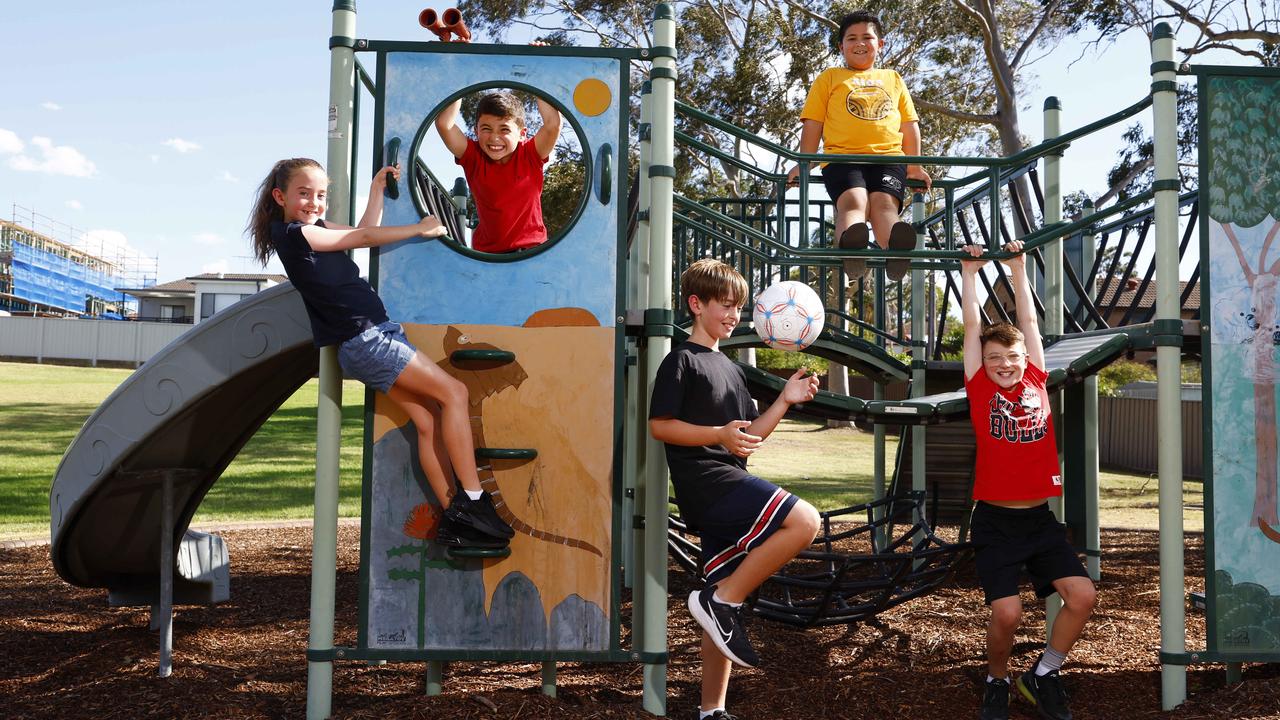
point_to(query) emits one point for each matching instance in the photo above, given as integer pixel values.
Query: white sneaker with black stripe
(723, 623)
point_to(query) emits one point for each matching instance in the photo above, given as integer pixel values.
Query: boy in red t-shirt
(1017, 472)
(503, 169)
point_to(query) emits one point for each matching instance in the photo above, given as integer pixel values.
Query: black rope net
(867, 558)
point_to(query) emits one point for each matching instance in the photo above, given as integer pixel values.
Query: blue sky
(148, 125)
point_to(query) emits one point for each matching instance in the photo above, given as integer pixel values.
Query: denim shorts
(377, 356)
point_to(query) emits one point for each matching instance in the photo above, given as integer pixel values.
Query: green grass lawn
(43, 406)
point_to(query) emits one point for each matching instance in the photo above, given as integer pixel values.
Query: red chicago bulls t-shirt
(1017, 454)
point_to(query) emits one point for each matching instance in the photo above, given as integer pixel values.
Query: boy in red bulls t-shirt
(1016, 474)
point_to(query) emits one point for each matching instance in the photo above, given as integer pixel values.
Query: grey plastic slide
(185, 413)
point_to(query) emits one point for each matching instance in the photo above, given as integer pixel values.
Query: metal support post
(662, 181)
(324, 533)
(1173, 639)
(918, 325)
(435, 677)
(1053, 293)
(637, 429)
(165, 604)
(1092, 528)
(549, 678)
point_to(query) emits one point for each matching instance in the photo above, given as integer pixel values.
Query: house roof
(239, 277)
(187, 285)
(1148, 299)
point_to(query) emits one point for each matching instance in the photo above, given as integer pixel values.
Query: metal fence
(93, 341)
(1128, 440)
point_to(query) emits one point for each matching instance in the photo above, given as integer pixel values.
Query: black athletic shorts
(1006, 540)
(890, 179)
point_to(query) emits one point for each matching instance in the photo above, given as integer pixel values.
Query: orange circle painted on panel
(592, 97)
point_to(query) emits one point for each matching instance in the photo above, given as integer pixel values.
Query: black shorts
(889, 179)
(739, 522)
(1005, 540)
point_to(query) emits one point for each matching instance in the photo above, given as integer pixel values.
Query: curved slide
(186, 413)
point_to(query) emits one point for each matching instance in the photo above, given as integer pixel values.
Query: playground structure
(153, 449)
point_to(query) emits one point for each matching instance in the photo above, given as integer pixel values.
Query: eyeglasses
(1013, 357)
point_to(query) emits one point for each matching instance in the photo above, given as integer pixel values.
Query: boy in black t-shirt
(702, 412)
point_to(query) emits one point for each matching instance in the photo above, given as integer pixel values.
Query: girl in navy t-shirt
(345, 311)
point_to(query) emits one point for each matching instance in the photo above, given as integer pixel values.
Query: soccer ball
(788, 315)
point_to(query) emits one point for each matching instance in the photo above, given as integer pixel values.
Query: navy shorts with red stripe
(739, 522)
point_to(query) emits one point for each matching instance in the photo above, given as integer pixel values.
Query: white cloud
(74, 205)
(50, 105)
(228, 177)
(208, 239)
(9, 142)
(215, 267)
(182, 146)
(54, 160)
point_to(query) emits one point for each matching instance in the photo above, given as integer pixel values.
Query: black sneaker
(902, 236)
(453, 534)
(479, 515)
(1046, 693)
(717, 715)
(855, 237)
(995, 701)
(724, 624)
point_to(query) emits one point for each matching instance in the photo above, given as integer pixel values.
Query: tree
(754, 60)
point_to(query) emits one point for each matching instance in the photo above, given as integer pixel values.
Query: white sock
(1051, 660)
(716, 596)
(704, 714)
(473, 494)
(993, 679)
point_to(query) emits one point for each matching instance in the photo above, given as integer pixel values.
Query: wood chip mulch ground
(66, 654)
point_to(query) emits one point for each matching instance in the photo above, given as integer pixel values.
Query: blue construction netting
(45, 278)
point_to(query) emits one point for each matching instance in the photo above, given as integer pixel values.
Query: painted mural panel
(1241, 263)
(555, 310)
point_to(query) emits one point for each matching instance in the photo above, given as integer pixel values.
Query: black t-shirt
(701, 387)
(340, 303)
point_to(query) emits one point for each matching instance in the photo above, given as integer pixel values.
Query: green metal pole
(1053, 293)
(637, 402)
(879, 485)
(1173, 678)
(635, 428)
(324, 542)
(662, 179)
(1092, 530)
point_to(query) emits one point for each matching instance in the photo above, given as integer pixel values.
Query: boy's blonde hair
(710, 279)
(1004, 333)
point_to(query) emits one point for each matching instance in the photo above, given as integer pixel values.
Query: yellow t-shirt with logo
(861, 111)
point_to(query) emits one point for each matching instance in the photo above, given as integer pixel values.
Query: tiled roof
(1129, 297)
(239, 277)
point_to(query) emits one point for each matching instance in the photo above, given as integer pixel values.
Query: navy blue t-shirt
(701, 387)
(340, 303)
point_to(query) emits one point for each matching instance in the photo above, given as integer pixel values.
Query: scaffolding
(50, 268)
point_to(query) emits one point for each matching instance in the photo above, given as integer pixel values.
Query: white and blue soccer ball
(788, 315)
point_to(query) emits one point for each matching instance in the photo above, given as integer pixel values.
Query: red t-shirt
(1017, 454)
(508, 198)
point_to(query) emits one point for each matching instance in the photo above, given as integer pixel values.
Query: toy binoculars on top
(445, 24)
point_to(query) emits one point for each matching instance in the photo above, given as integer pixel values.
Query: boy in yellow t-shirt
(860, 109)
